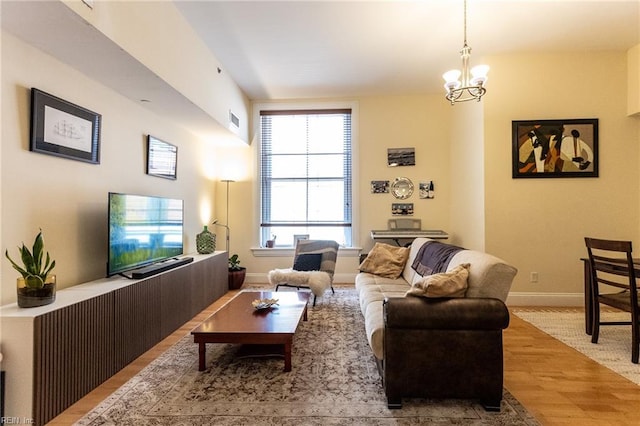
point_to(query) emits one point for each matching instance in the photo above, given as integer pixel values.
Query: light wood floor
(557, 384)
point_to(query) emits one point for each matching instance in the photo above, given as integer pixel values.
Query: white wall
(412, 121)
(467, 210)
(158, 35)
(68, 199)
(539, 225)
(419, 121)
(633, 81)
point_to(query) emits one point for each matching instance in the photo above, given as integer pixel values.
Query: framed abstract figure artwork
(555, 148)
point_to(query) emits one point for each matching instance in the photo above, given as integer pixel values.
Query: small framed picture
(379, 186)
(64, 129)
(555, 148)
(298, 237)
(162, 158)
(401, 157)
(402, 209)
(427, 190)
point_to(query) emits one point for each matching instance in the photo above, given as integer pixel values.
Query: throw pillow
(385, 260)
(307, 262)
(446, 284)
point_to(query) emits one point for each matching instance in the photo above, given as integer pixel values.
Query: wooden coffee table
(239, 322)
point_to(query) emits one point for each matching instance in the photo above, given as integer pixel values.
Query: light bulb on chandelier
(465, 85)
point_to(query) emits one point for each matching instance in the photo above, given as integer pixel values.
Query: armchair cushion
(445, 284)
(385, 260)
(307, 262)
(317, 281)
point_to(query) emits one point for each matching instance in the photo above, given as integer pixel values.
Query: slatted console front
(54, 355)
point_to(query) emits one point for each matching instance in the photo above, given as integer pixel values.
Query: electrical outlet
(533, 277)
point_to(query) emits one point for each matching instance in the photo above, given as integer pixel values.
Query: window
(305, 165)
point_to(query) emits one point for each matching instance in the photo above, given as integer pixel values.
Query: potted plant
(37, 286)
(236, 273)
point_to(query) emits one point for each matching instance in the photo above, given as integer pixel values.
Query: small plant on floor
(234, 263)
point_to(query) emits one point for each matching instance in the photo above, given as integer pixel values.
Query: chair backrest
(328, 249)
(612, 264)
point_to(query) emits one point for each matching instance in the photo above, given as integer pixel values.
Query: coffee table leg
(201, 356)
(287, 356)
(304, 314)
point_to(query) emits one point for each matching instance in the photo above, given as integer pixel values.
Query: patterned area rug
(334, 381)
(613, 349)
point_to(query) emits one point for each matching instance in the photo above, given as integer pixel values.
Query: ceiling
(311, 49)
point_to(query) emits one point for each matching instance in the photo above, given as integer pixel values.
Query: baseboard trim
(545, 299)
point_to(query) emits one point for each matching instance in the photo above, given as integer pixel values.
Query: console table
(397, 235)
(53, 355)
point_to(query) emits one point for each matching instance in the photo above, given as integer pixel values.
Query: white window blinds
(305, 164)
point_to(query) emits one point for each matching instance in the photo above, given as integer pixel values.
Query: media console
(53, 355)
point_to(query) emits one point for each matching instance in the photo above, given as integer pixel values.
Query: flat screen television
(143, 230)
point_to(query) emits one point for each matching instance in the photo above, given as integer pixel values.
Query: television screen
(143, 230)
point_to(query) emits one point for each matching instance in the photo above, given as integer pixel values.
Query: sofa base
(394, 405)
(490, 407)
(444, 349)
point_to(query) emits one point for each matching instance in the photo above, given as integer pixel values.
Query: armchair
(313, 268)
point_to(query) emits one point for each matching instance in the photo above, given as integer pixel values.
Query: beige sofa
(418, 342)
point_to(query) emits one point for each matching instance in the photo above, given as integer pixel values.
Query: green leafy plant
(34, 271)
(234, 263)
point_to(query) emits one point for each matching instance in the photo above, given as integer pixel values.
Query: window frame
(302, 107)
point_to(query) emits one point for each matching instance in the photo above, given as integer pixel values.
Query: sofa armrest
(412, 312)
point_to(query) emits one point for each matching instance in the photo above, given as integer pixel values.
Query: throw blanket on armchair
(434, 257)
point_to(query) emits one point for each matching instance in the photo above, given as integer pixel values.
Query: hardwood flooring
(557, 384)
(560, 386)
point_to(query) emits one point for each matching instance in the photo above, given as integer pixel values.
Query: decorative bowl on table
(264, 303)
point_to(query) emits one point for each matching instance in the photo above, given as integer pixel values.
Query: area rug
(334, 381)
(613, 349)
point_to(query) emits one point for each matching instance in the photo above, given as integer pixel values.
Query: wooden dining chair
(613, 283)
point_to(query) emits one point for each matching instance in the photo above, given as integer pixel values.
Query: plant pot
(31, 296)
(236, 278)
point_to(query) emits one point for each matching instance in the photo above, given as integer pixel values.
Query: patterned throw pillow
(385, 260)
(307, 262)
(446, 284)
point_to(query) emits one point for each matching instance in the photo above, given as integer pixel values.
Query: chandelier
(471, 85)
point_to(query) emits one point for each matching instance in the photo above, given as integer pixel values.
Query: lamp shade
(479, 74)
(451, 79)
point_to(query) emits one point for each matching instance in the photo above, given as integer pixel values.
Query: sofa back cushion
(489, 276)
(409, 274)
